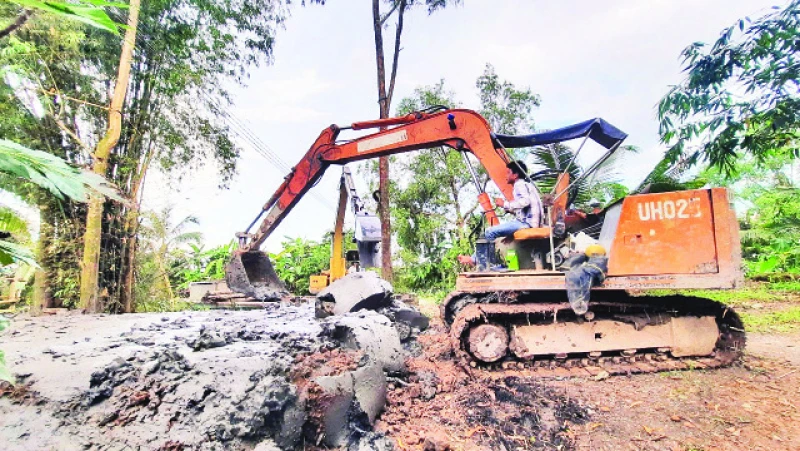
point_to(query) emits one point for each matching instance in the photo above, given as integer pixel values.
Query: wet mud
(197, 380)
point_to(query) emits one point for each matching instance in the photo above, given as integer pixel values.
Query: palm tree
(603, 181)
(162, 238)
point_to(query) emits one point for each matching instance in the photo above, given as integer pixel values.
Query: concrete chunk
(371, 333)
(354, 292)
(370, 389)
(340, 393)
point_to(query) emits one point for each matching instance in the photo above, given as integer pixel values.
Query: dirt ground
(752, 405)
(438, 405)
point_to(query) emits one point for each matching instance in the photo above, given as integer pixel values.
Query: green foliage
(299, 260)
(772, 230)
(55, 76)
(5, 375)
(435, 211)
(162, 255)
(768, 201)
(776, 321)
(435, 274)
(11, 250)
(603, 193)
(50, 173)
(53, 173)
(200, 264)
(739, 95)
(89, 12)
(507, 108)
(670, 176)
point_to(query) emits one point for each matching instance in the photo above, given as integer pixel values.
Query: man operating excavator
(527, 210)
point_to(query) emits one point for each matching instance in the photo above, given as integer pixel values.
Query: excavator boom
(250, 271)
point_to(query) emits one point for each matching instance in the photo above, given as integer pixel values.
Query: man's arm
(522, 198)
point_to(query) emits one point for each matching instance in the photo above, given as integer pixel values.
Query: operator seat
(558, 208)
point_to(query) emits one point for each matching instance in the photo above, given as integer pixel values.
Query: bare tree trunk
(17, 23)
(385, 101)
(94, 218)
(131, 231)
(40, 284)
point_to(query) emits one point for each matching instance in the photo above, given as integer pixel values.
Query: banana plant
(5, 375)
(52, 174)
(90, 12)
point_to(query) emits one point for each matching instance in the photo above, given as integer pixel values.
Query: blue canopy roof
(599, 130)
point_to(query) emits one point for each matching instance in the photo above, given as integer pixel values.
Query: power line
(239, 128)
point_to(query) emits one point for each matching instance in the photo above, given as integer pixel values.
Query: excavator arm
(250, 271)
(463, 130)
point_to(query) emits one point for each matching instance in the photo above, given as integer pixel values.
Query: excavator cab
(547, 247)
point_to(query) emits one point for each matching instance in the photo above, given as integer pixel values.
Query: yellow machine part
(317, 283)
(338, 268)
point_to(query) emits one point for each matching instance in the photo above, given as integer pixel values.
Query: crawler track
(461, 311)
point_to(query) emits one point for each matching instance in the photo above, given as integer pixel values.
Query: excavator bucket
(251, 273)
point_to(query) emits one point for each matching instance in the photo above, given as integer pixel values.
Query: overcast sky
(609, 59)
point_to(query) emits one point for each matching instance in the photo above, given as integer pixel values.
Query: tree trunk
(384, 101)
(17, 23)
(94, 217)
(40, 284)
(131, 232)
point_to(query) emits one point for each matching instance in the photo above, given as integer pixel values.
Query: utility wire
(238, 126)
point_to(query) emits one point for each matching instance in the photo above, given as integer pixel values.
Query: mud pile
(444, 405)
(271, 379)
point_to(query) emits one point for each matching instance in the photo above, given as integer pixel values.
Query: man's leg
(503, 230)
(492, 233)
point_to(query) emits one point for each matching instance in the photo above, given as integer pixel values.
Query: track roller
(488, 343)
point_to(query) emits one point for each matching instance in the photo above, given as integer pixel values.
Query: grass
(780, 302)
(744, 297)
(781, 321)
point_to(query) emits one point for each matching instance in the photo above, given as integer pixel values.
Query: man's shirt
(527, 204)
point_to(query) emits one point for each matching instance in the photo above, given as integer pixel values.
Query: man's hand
(500, 202)
(465, 260)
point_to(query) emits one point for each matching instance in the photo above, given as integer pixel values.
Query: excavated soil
(254, 381)
(446, 406)
(751, 405)
(191, 380)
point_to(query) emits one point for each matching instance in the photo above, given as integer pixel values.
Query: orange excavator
(674, 240)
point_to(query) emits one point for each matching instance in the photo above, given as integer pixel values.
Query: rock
(348, 398)
(601, 376)
(428, 383)
(436, 442)
(371, 333)
(339, 394)
(413, 318)
(354, 292)
(266, 445)
(370, 389)
(207, 339)
(372, 441)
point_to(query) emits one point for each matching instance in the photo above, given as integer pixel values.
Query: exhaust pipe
(251, 273)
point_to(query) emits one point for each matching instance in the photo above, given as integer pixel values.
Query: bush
(299, 260)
